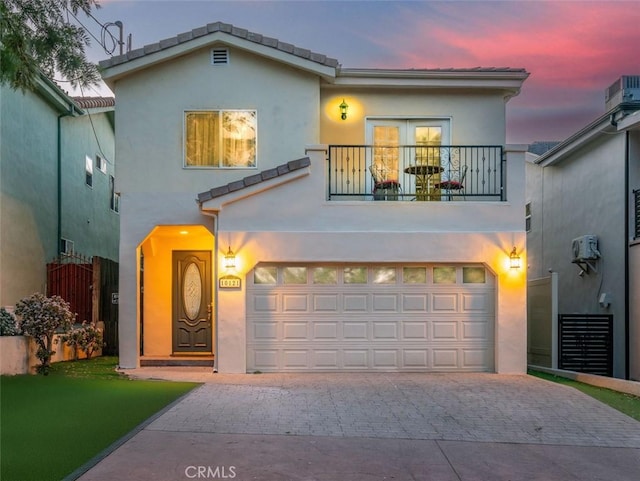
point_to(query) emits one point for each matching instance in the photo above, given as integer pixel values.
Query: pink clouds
(573, 50)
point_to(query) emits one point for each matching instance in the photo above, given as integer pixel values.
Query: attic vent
(219, 56)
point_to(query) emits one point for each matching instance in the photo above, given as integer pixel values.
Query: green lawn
(51, 425)
(625, 403)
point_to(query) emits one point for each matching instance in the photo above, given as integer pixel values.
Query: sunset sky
(572, 49)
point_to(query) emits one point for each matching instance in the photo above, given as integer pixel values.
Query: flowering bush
(8, 325)
(41, 317)
(88, 338)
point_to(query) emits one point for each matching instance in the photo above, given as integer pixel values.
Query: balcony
(416, 173)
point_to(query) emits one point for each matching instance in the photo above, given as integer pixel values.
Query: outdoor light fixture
(514, 259)
(230, 259)
(343, 110)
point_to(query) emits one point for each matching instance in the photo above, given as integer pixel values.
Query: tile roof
(219, 27)
(251, 180)
(94, 102)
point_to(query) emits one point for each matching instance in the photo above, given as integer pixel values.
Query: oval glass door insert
(192, 291)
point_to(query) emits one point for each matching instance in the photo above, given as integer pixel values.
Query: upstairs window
(101, 164)
(220, 139)
(114, 202)
(88, 171)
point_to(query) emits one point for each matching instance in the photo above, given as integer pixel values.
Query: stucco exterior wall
(87, 218)
(475, 118)
(583, 194)
(28, 213)
(29, 189)
(151, 105)
(634, 262)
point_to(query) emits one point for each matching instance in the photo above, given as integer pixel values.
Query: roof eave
(605, 123)
(510, 80)
(56, 97)
(145, 58)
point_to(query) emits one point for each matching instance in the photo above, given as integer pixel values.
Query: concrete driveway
(377, 426)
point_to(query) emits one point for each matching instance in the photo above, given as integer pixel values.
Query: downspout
(627, 156)
(215, 285)
(59, 194)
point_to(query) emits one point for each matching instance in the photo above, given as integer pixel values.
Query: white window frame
(88, 171)
(114, 201)
(101, 163)
(219, 166)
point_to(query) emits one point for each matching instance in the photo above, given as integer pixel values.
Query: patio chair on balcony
(450, 186)
(384, 188)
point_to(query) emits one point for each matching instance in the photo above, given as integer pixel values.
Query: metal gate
(586, 343)
(70, 277)
(108, 302)
(90, 286)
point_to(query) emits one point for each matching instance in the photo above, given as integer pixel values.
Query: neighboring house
(588, 185)
(57, 184)
(282, 213)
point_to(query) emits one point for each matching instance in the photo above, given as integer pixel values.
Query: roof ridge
(225, 28)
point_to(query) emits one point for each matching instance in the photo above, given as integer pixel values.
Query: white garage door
(370, 317)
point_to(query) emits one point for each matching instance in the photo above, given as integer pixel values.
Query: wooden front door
(192, 301)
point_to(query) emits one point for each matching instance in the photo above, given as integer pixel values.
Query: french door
(386, 135)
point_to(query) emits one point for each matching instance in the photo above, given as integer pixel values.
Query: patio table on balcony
(423, 173)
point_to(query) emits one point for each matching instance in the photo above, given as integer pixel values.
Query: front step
(203, 361)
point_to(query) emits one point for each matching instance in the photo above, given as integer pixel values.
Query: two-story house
(583, 218)
(57, 179)
(282, 213)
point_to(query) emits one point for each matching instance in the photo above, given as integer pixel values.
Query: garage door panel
(372, 322)
(474, 358)
(385, 330)
(325, 330)
(475, 302)
(265, 358)
(414, 303)
(326, 359)
(445, 302)
(355, 358)
(444, 358)
(355, 330)
(385, 303)
(295, 359)
(265, 330)
(414, 330)
(415, 358)
(325, 303)
(446, 330)
(265, 303)
(385, 359)
(294, 330)
(294, 303)
(355, 302)
(475, 330)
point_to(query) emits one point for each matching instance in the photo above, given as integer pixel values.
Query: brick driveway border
(478, 407)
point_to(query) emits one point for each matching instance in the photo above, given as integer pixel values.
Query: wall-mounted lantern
(514, 259)
(343, 110)
(230, 259)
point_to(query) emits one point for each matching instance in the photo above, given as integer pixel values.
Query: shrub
(41, 317)
(88, 338)
(8, 325)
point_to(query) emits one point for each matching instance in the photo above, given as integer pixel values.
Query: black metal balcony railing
(415, 172)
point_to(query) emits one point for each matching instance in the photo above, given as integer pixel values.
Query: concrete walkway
(377, 426)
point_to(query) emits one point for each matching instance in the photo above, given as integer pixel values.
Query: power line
(104, 29)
